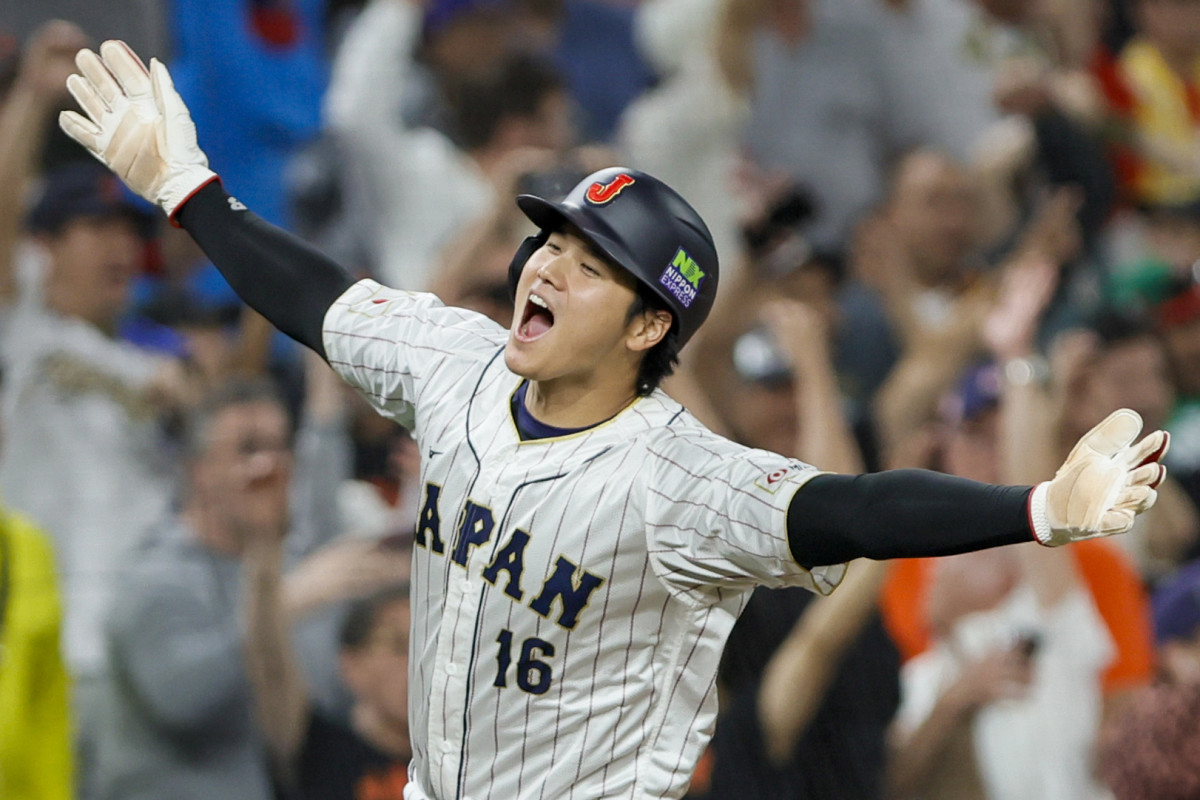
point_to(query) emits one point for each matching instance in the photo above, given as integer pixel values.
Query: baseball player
(584, 545)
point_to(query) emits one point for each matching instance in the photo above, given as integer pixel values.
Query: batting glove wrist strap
(1106, 481)
(137, 125)
(1038, 521)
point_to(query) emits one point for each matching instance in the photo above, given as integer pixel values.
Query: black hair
(661, 359)
(362, 616)
(517, 89)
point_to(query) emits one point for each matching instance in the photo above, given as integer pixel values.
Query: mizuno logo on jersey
(567, 588)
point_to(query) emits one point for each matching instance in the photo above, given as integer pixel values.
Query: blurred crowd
(954, 234)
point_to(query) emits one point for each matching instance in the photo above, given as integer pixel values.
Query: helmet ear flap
(527, 248)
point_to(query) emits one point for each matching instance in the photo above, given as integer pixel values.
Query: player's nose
(551, 270)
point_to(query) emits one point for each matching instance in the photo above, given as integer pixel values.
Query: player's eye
(588, 269)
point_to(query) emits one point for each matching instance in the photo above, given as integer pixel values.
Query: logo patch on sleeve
(771, 482)
(683, 278)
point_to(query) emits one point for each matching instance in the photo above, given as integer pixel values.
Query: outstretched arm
(274, 272)
(137, 125)
(1106, 480)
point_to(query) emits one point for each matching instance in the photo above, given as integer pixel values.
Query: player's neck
(562, 403)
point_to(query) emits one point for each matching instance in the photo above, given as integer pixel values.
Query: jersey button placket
(454, 648)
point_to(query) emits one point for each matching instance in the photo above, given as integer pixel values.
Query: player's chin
(519, 359)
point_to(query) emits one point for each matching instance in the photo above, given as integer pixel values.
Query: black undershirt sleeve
(904, 513)
(275, 273)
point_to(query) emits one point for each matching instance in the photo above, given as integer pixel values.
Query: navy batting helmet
(642, 225)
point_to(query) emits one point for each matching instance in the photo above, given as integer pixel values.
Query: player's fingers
(1151, 475)
(86, 96)
(170, 105)
(80, 129)
(1152, 448)
(162, 86)
(1115, 433)
(128, 69)
(1136, 499)
(98, 75)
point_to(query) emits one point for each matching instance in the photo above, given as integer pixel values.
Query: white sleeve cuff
(1038, 519)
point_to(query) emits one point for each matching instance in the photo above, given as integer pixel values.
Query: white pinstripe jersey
(571, 596)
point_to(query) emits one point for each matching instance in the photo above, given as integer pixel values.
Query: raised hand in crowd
(348, 568)
(803, 337)
(25, 112)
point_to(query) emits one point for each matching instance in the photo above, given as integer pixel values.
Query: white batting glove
(1105, 482)
(136, 125)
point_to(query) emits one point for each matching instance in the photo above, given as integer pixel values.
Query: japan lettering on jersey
(571, 596)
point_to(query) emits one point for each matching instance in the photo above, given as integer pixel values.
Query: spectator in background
(659, 129)
(1158, 259)
(253, 73)
(921, 253)
(1121, 363)
(139, 22)
(179, 720)
(84, 453)
(1008, 631)
(322, 757)
(35, 722)
(189, 628)
(592, 44)
(1003, 85)
(841, 311)
(1006, 420)
(27, 107)
(1153, 748)
(1178, 319)
(814, 74)
(1017, 626)
(415, 184)
(1152, 97)
(808, 684)
(368, 758)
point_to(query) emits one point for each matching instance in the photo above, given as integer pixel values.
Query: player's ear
(648, 329)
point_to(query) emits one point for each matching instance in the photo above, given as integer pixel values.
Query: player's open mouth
(536, 319)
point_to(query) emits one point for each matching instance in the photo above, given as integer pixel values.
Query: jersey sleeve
(398, 347)
(716, 518)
